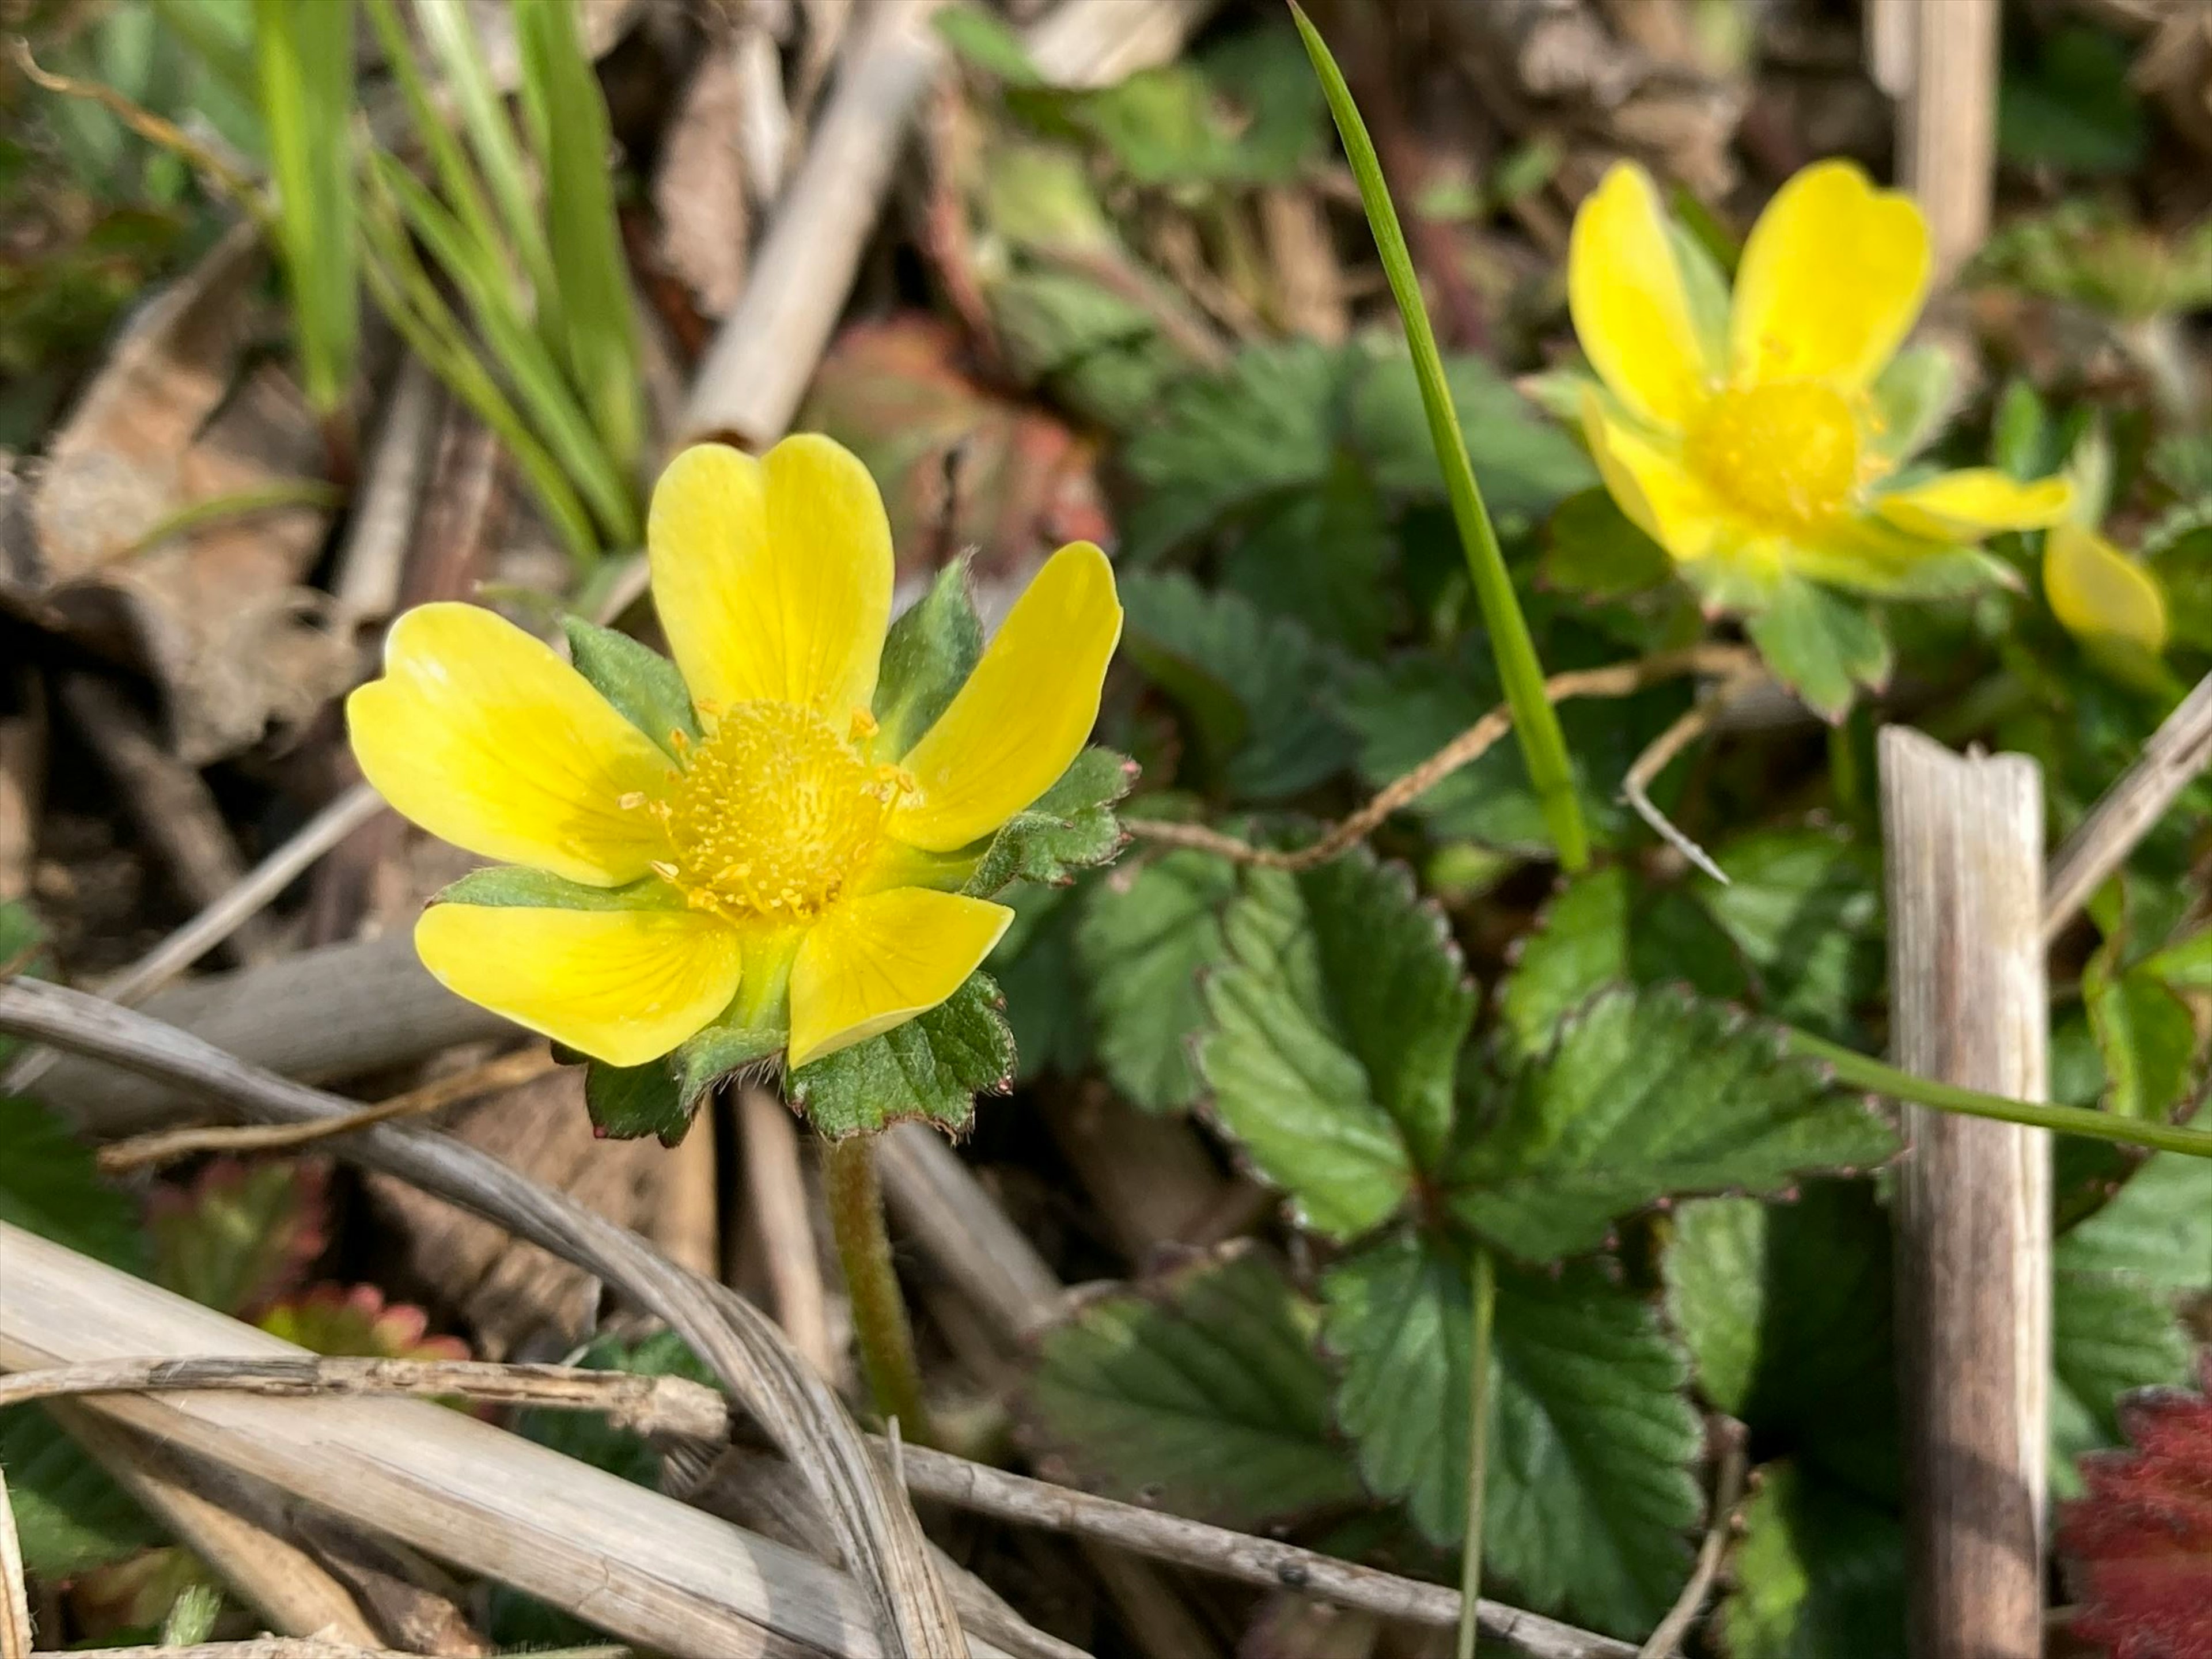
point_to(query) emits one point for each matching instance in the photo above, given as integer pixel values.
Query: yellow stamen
(1785, 453)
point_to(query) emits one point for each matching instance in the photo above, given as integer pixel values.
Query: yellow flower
(2106, 600)
(1754, 438)
(777, 865)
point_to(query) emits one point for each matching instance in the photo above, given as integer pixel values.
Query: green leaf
(1786, 1311)
(1818, 1573)
(1336, 1029)
(2076, 108)
(1821, 646)
(1589, 1490)
(304, 54)
(1913, 396)
(1145, 937)
(927, 656)
(242, 1235)
(515, 885)
(979, 38)
(1035, 965)
(1804, 906)
(1071, 827)
(1608, 928)
(1525, 464)
(50, 1186)
(1649, 1094)
(1322, 558)
(1220, 443)
(2145, 1035)
(22, 951)
(1199, 1392)
(628, 1102)
(642, 685)
(931, 1068)
(1256, 687)
(590, 1436)
(719, 1052)
(1592, 547)
(70, 1516)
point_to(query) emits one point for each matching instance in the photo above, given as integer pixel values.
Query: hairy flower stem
(864, 1249)
(1483, 1290)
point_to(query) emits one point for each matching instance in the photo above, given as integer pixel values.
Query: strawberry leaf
(242, 1235)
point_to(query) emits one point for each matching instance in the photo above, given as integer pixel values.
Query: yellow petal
(871, 963)
(1630, 308)
(772, 577)
(1967, 506)
(2101, 595)
(1023, 713)
(484, 737)
(623, 986)
(1831, 282)
(1667, 500)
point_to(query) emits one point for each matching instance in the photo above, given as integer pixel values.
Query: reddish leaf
(332, 1320)
(2139, 1546)
(242, 1235)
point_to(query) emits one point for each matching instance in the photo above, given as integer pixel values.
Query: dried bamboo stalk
(1946, 56)
(878, 1534)
(2176, 753)
(1963, 840)
(629, 1560)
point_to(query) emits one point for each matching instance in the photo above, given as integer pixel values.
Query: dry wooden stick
(15, 1599)
(1963, 846)
(1941, 62)
(1615, 680)
(777, 1185)
(372, 556)
(2176, 753)
(876, 1531)
(294, 1647)
(167, 1146)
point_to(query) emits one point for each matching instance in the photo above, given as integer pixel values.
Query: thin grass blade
(303, 52)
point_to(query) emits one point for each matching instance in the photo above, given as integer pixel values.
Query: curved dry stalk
(1660, 753)
(1734, 663)
(1728, 1492)
(876, 1531)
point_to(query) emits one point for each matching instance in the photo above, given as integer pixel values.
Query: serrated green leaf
(1818, 1573)
(1786, 1311)
(2144, 1033)
(1143, 942)
(70, 1516)
(1320, 556)
(1035, 965)
(1525, 464)
(50, 1186)
(1201, 1392)
(1256, 687)
(927, 656)
(242, 1235)
(1821, 646)
(1592, 547)
(643, 685)
(931, 1067)
(1071, 827)
(1220, 443)
(1336, 1026)
(1648, 1095)
(1589, 1490)
(628, 1102)
(515, 885)
(1608, 928)
(1804, 906)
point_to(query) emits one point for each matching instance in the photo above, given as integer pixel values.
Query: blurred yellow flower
(776, 867)
(1750, 436)
(2107, 600)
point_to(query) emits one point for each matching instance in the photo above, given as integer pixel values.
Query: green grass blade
(1535, 723)
(452, 42)
(205, 29)
(410, 300)
(568, 118)
(536, 378)
(304, 57)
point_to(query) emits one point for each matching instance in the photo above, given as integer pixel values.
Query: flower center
(775, 811)
(1786, 454)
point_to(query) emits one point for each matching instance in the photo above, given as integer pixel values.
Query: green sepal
(931, 1068)
(1821, 646)
(1071, 827)
(517, 886)
(643, 685)
(927, 656)
(719, 1052)
(628, 1102)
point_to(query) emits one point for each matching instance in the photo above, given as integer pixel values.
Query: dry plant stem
(2176, 753)
(1963, 849)
(295, 1593)
(15, 1600)
(1645, 771)
(1728, 1492)
(167, 1145)
(877, 1533)
(776, 1184)
(300, 1647)
(1615, 680)
(372, 558)
(944, 1209)
(855, 1200)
